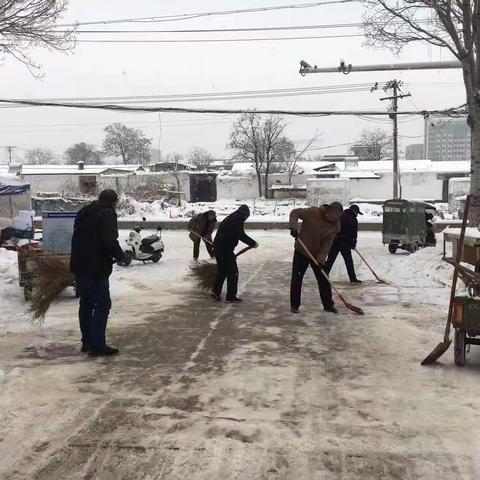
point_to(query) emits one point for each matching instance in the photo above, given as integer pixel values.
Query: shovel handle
(243, 250)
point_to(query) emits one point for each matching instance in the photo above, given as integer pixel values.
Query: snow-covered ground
(261, 210)
(203, 390)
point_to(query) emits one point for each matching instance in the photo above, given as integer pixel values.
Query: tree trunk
(266, 183)
(259, 180)
(475, 176)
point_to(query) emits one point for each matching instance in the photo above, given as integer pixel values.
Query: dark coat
(348, 228)
(95, 241)
(230, 232)
(202, 226)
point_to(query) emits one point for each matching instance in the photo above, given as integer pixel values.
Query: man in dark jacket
(230, 232)
(345, 242)
(201, 227)
(94, 249)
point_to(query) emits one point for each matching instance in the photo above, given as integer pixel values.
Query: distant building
(363, 152)
(447, 139)
(414, 151)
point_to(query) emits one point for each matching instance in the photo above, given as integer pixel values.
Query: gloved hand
(256, 245)
(294, 233)
(353, 245)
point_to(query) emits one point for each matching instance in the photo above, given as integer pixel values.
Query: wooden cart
(466, 309)
(28, 274)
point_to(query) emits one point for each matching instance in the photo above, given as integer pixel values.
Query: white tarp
(14, 197)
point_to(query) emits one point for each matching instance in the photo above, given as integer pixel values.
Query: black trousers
(95, 305)
(196, 248)
(226, 269)
(345, 250)
(299, 267)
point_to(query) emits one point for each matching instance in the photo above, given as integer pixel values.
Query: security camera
(304, 64)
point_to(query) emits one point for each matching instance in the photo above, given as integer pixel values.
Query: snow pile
(262, 210)
(13, 317)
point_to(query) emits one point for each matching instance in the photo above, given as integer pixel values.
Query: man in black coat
(230, 232)
(95, 248)
(345, 242)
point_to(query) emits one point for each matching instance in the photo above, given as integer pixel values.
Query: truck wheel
(156, 257)
(392, 247)
(127, 259)
(459, 347)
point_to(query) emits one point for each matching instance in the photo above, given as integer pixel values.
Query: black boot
(84, 348)
(355, 280)
(234, 300)
(105, 351)
(331, 309)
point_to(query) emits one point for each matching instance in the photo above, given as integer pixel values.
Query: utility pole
(395, 86)
(9, 149)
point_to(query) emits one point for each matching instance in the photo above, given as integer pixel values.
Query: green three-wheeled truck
(408, 225)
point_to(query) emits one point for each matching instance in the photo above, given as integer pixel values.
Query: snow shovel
(442, 347)
(379, 280)
(351, 307)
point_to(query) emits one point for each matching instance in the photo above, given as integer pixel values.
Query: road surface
(203, 390)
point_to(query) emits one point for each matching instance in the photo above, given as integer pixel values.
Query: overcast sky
(103, 69)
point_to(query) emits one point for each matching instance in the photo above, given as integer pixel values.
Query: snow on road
(212, 391)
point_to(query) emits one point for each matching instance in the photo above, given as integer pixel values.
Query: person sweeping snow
(317, 232)
(95, 247)
(345, 242)
(201, 227)
(230, 232)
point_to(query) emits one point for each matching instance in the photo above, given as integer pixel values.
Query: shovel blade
(354, 309)
(437, 352)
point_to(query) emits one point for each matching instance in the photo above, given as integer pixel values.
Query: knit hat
(337, 206)
(108, 196)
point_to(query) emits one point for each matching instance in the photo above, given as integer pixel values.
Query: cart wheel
(392, 247)
(459, 347)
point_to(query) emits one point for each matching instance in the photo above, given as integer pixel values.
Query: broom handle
(314, 260)
(458, 259)
(203, 238)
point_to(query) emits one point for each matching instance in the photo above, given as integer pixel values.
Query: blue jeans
(95, 305)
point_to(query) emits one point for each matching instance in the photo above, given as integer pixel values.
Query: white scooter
(143, 249)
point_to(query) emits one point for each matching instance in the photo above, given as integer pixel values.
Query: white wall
(236, 188)
(52, 183)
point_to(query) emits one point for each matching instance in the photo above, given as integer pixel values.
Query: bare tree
(130, 144)
(373, 144)
(200, 157)
(25, 24)
(273, 145)
(176, 158)
(293, 157)
(450, 24)
(260, 142)
(83, 152)
(40, 156)
(245, 139)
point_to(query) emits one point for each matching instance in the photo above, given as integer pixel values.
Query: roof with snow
(75, 170)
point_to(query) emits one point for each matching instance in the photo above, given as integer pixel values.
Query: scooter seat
(147, 241)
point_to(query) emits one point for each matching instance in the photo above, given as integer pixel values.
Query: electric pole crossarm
(305, 68)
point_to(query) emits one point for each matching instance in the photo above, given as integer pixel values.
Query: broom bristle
(54, 277)
(204, 274)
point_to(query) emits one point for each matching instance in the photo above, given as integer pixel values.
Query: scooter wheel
(156, 257)
(127, 259)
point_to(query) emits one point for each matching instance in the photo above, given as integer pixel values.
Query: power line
(232, 95)
(190, 16)
(222, 30)
(222, 40)
(303, 113)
